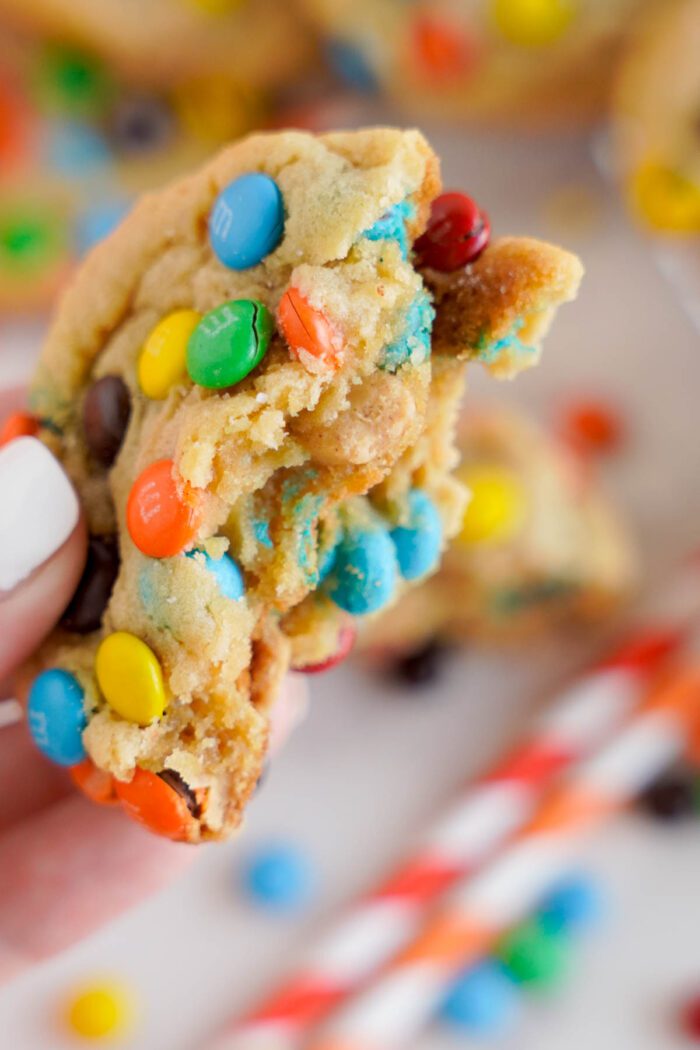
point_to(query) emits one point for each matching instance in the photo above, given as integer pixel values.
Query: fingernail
(38, 509)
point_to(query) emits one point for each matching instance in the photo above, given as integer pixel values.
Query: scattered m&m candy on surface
(130, 678)
(247, 221)
(228, 343)
(161, 521)
(440, 50)
(690, 1019)
(56, 716)
(100, 1010)
(574, 905)
(311, 336)
(225, 571)
(671, 798)
(535, 956)
(457, 233)
(279, 877)
(482, 1001)
(667, 200)
(162, 363)
(418, 540)
(592, 426)
(533, 23)
(365, 571)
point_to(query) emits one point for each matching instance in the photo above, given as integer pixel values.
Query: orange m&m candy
(312, 337)
(161, 522)
(18, 424)
(153, 802)
(441, 50)
(93, 782)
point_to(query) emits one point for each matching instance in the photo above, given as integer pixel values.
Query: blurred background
(577, 121)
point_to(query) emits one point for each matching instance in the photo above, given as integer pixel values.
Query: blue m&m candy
(56, 716)
(575, 904)
(225, 570)
(97, 221)
(247, 221)
(364, 573)
(350, 65)
(76, 149)
(279, 877)
(419, 538)
(483, 1001)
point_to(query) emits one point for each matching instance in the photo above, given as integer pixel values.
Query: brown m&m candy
(106, 412)
(84, 614)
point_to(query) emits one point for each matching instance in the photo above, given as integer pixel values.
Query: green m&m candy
(73, 84)
(228, 343)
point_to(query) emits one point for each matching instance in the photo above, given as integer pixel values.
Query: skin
(68, 866)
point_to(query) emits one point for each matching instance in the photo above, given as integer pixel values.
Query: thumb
(42, 547)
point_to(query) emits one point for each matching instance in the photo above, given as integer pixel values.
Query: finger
(289, 710)
(42, 547)
(68, 870)
(28, 782)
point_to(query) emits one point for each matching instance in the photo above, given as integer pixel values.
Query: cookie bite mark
(498, 309)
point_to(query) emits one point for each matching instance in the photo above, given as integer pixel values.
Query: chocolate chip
(106, 412)
(423, 666)
(671, 798)
(84, 614)
(141, 123)
(175, 781)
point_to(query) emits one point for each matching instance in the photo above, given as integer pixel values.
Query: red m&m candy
(311, 336)
(161, 521)
(457, 233)
(346, 640)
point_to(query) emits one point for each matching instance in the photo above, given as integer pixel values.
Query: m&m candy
(130, 678)
(106, 414)
(533, 23)
(535, 956)
(84, 614)
(224, 570)
(572, 906)
(75, 149)
(141, 123)
(161, 521)
(457, 233)
(365, 572)
(228, 343)
(441, 50)
(349, 63)
(592, 426)
(482, 1001)
(56, 716)
(666, 199)
(419, 538)
(161, 802)
(96, 784)
(346, 640)
(247, 221)
(18, 424)
(99, 1010)
(163, 361)
(96, 220)
(279, 877)
(497, 506)
(311, 336)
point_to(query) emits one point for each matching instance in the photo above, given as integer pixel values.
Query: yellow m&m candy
(496, 510)
(533, 23)
(216, 7)
(99, 1010)
(162, 363)
(130, 678)
(666, 199)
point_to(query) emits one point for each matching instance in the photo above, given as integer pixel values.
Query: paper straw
(485, 815)
(482, 908)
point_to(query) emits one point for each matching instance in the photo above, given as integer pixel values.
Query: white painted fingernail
(38, 509)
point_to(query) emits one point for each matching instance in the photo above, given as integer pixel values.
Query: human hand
(67, 866)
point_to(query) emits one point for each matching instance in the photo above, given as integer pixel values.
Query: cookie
(655, 118)
(240, 383)
(539, 546)
(513, 61)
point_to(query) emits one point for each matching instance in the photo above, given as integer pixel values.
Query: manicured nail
(38, 509)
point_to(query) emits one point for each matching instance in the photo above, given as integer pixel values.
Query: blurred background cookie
(656, 118)
(530, 62)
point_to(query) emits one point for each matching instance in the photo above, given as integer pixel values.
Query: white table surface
(371, 765)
